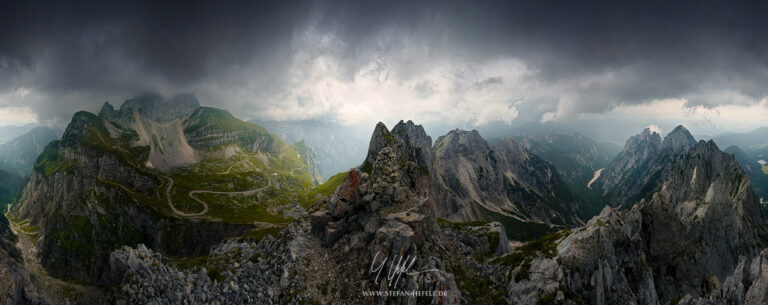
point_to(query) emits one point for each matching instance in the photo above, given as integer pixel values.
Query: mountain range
(338, 148)
(19, 155)
(169, 202)
(10, 132)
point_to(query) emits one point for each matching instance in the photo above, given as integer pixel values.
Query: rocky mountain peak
(415, 136)
(543, 135)
(646, 143)
(459, 139)
(678, 140)
(409, 142)
(648, 135)
(106, 110)
(157, 108)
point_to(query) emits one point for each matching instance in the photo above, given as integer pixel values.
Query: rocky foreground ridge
(699, 238)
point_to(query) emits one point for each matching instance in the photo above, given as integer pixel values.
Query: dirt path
(229, 169)
(173, 208)
(240, 193)
(193, 192)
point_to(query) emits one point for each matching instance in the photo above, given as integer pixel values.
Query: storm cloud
(458, 63)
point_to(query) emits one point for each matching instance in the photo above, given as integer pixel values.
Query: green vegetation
(97, 135)
(50, 161)
(479, 289)
(460, 226)
(217, 124)
(221, 119)
(478, 227)
(764, 168)
(323, 190)
(514, 228)
(547, 299)
(259, 234)
(252, 186)
(214, 266)
(523, 256)
(75, 238)
(159, 204)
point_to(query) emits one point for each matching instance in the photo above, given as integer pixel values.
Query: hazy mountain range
(164, 200)
(338, 148)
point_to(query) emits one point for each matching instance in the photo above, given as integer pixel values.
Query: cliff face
(637, 169)
(310, 159)
(17, 287)
(753, 169)
(473, 179)
(686, 241)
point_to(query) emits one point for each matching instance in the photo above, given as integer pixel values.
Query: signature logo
(398, 266)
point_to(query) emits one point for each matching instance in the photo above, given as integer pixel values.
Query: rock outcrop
(16, 287)
(637, 169)
(472, 179)
(382, 218)
(698, 230)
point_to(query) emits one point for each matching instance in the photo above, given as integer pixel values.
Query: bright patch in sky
(655, 128)
(17, 116)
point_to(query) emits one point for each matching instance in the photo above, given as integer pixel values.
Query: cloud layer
(447, 63)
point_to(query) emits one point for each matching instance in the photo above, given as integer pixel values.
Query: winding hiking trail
(242, 193)
(205, 205)
(226, 172)
(192, 193)
(173, 208)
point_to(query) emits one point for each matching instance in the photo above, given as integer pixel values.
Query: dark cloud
(599, 54)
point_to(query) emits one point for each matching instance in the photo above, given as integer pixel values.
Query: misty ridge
(400, 152)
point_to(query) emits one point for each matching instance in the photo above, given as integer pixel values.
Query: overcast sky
(608, 68)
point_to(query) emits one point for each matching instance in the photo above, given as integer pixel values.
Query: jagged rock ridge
(635, 172)
(688, 240)
(473, 179)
